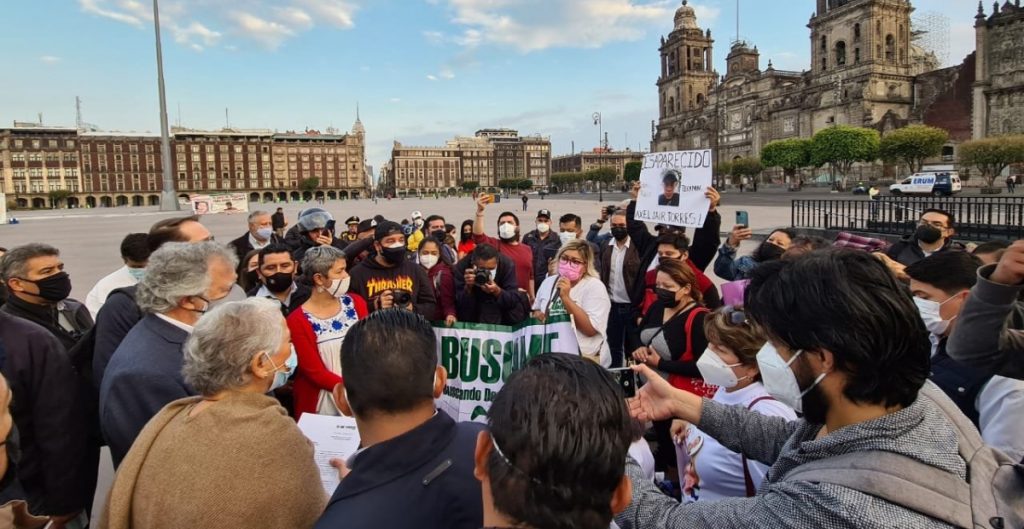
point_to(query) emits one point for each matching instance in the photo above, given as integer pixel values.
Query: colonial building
(596, 159)
(104, 169)
(865, 71)
(999, 78)
(485, 159)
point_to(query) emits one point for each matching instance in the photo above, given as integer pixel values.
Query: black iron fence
(977, 218)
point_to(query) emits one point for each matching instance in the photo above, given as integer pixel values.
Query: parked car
(938, 184)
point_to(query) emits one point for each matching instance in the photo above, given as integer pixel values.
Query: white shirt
(715, 472)
(617, 285)
(181, 325)
(641, 452)
(592, 296)
(119, 278)
(256, 244)
(264, 292)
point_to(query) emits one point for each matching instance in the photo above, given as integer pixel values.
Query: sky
(420, 71)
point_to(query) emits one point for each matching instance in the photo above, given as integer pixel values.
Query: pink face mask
(571, 271)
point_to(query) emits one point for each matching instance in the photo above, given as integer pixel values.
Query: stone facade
(586, 161)
(864, 73)
(999, 83)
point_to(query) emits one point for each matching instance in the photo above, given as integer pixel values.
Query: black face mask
(252, 277)
(279, 282)
(440, 235)
(393, 256)
(620, 234)
(54, 288)
(928, 234)
(467, 235)
(768, 252)
(667, 298)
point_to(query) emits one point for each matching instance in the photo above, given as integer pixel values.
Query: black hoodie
(370, 278)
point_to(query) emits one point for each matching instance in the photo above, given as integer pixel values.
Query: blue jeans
(621, 321)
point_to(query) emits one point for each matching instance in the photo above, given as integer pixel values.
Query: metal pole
(168, 195)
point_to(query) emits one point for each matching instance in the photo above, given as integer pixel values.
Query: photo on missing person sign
(672, 187)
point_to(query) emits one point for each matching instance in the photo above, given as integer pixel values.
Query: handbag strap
(748, 480)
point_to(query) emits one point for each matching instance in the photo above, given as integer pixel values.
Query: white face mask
(780, 380)
(543, 227)
(716, 372)
(931, 315)
(428, 261)
(507, 231)
(566, 236)
(339, 287)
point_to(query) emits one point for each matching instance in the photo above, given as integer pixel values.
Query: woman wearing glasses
(576, 290)
(730, 362)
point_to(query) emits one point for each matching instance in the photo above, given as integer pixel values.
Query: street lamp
(168, 196)
(600, 137)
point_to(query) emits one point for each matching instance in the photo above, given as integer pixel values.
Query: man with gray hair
(183, 281)
(260, 235)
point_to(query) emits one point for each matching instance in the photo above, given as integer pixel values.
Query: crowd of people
(757, 396)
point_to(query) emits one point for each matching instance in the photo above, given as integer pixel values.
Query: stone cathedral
(866, 70)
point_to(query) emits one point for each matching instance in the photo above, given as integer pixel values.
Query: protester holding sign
(672, 188)
(576, 290)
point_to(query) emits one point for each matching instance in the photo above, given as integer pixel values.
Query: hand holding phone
(627, 380)
(742, 219)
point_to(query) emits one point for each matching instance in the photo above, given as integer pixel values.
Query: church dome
(686, 17)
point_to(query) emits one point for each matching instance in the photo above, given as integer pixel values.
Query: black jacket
(422, 479)
(370, 278)
(277, 220)
(476, 306)
(48, 317)
(57, 471)
(544, 250)
(907, 251)
(113, 322)
(304, 243)
(299, 296)
(242, 247)
(703, 247)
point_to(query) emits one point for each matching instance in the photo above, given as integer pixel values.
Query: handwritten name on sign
(672, 187)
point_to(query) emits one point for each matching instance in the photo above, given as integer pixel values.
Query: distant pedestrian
(278, 223)
(527, 199)
(1011, 183)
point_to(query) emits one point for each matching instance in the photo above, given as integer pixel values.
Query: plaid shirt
(920, 431)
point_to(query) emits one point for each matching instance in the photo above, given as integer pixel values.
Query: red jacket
(444, 290)
(312, 376)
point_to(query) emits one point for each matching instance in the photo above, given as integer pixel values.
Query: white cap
(417, 215)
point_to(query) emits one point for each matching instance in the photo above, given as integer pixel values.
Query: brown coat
(239, 464)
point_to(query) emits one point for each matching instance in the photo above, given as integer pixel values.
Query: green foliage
(631, 172)
(992, 155)
(601, 175)
(515, 183)
(841, 147)
(722, 172)
(913, 145)
(470, 186)
(566, 180)
(309, 184)
(749, 166)
(791, 155)
(58, 195)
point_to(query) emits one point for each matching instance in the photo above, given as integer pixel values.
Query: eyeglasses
(570, 260)
(734, 315)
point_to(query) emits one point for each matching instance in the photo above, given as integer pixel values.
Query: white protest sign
(332, 437)
(479, 359)
(672, 187)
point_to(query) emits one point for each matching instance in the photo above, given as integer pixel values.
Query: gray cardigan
(986, 335)
(920, 431)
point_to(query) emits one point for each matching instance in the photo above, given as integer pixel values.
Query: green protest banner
(479, 359)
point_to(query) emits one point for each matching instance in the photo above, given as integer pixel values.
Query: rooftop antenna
(78, 113)
(227, 119)
(737, 20)
(179, 114)
(40, 118)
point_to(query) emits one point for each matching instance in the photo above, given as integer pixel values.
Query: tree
(913, 145)
(841, 147)
(631, 172)
(470, 186)
(992, 155)
(309, 184)
(57, 196)
(564, 181)
(722, 172)
(601, 175)
(749, 167)
(791, 155)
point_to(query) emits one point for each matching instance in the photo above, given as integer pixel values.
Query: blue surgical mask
(264, 234)
(281, 377)
(137, 273)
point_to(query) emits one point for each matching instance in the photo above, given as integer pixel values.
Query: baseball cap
(544, 213)
(367, 225)
(416, 215)
(386, 228)
(352, 220)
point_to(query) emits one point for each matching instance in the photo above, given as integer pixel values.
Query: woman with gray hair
(232, 433)
(576, 290)
(319, 327)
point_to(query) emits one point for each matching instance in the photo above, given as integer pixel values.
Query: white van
(940, 184)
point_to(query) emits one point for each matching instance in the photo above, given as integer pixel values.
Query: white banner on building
(3, 208)
(672, 187)
(480, 358)
(219, 203)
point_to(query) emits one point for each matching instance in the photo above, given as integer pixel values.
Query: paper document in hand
(332, 437)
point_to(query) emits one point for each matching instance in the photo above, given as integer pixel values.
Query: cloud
(534, 25)
(447, 74)
(200, 24)
(50, 59)
(431, 77)
(395, 100)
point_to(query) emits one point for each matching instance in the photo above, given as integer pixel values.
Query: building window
(856, 32)
(856, 55)
(890, 48)
(840, 53)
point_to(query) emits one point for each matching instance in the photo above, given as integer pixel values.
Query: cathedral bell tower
(687, 73)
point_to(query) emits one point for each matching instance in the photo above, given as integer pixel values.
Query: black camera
(482, 277)
(610, 210)
(401, 298)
